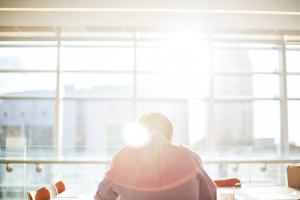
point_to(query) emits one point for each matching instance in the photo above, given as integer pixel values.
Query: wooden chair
(58, 188)
(40, 194)
(227, 182)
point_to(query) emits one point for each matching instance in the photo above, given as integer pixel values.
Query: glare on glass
(250, 85)
(293, 83)
(293, 61)
(191, 58)
(28, 58)
(109, 59)
(294, 125)
(28, 84)
(245, 60)
(104, 85)
(174, 85)
(197, 120)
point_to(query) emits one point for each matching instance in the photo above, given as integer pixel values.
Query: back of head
(157, 122)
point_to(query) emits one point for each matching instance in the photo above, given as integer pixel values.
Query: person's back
(158, 170)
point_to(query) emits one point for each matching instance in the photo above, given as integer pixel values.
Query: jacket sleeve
(106, 190)
(208, 188)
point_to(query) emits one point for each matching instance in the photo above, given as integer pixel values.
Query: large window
(216, 93)
(71, 99)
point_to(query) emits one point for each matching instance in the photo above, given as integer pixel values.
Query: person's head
(157, 122)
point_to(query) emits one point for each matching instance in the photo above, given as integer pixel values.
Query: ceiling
(242, 16)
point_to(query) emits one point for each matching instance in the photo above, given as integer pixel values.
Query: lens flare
(135, 134)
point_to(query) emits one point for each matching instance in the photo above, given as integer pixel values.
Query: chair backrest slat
(58, 188)
(40, 194)
(227, 182)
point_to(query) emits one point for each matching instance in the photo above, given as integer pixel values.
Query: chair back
(227, 182)
(58, 188)
(40, 194)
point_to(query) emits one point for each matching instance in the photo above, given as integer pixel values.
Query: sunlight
(196, 120)
(135, 134)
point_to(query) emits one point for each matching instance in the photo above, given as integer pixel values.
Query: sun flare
(135, 134)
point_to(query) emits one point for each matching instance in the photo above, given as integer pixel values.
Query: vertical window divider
(210, 140)
(58, 103)
(284, 141)
(135, 80)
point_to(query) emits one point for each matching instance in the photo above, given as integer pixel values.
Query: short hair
(157, 122)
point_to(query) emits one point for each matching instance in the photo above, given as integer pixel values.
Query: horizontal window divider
(26, 71)
(293, 73)
(139, 40)
(168, 99)
(145, 98)
(235, 98)
(245, 48)
(109, 161)
(140, 46)
(26, 45)
(97, 46)
(77, 39)
(93, 71)
(95, 98)
(293, 49)
(295, 42)
(247, 41)
(116, 71)
(243, 73)
(25, 97)
(294, 98)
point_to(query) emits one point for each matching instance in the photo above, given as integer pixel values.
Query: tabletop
(262, 192)
(244, 192)
(76, 192)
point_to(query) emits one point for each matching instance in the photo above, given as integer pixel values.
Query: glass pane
(26, 122)
(12, 183)
(108, 58)
(247, 123)
(177, 54)
(267, 122)
(293, 61)
(28, 84)
(294, 125)
(176, 111)
(102, 85)
(180, 85)
(293, 82)
(197, 121)
(94, 123)
(28, 58)
(252, 85)
(245, 60)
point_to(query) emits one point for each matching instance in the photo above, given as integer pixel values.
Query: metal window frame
(211, 98)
